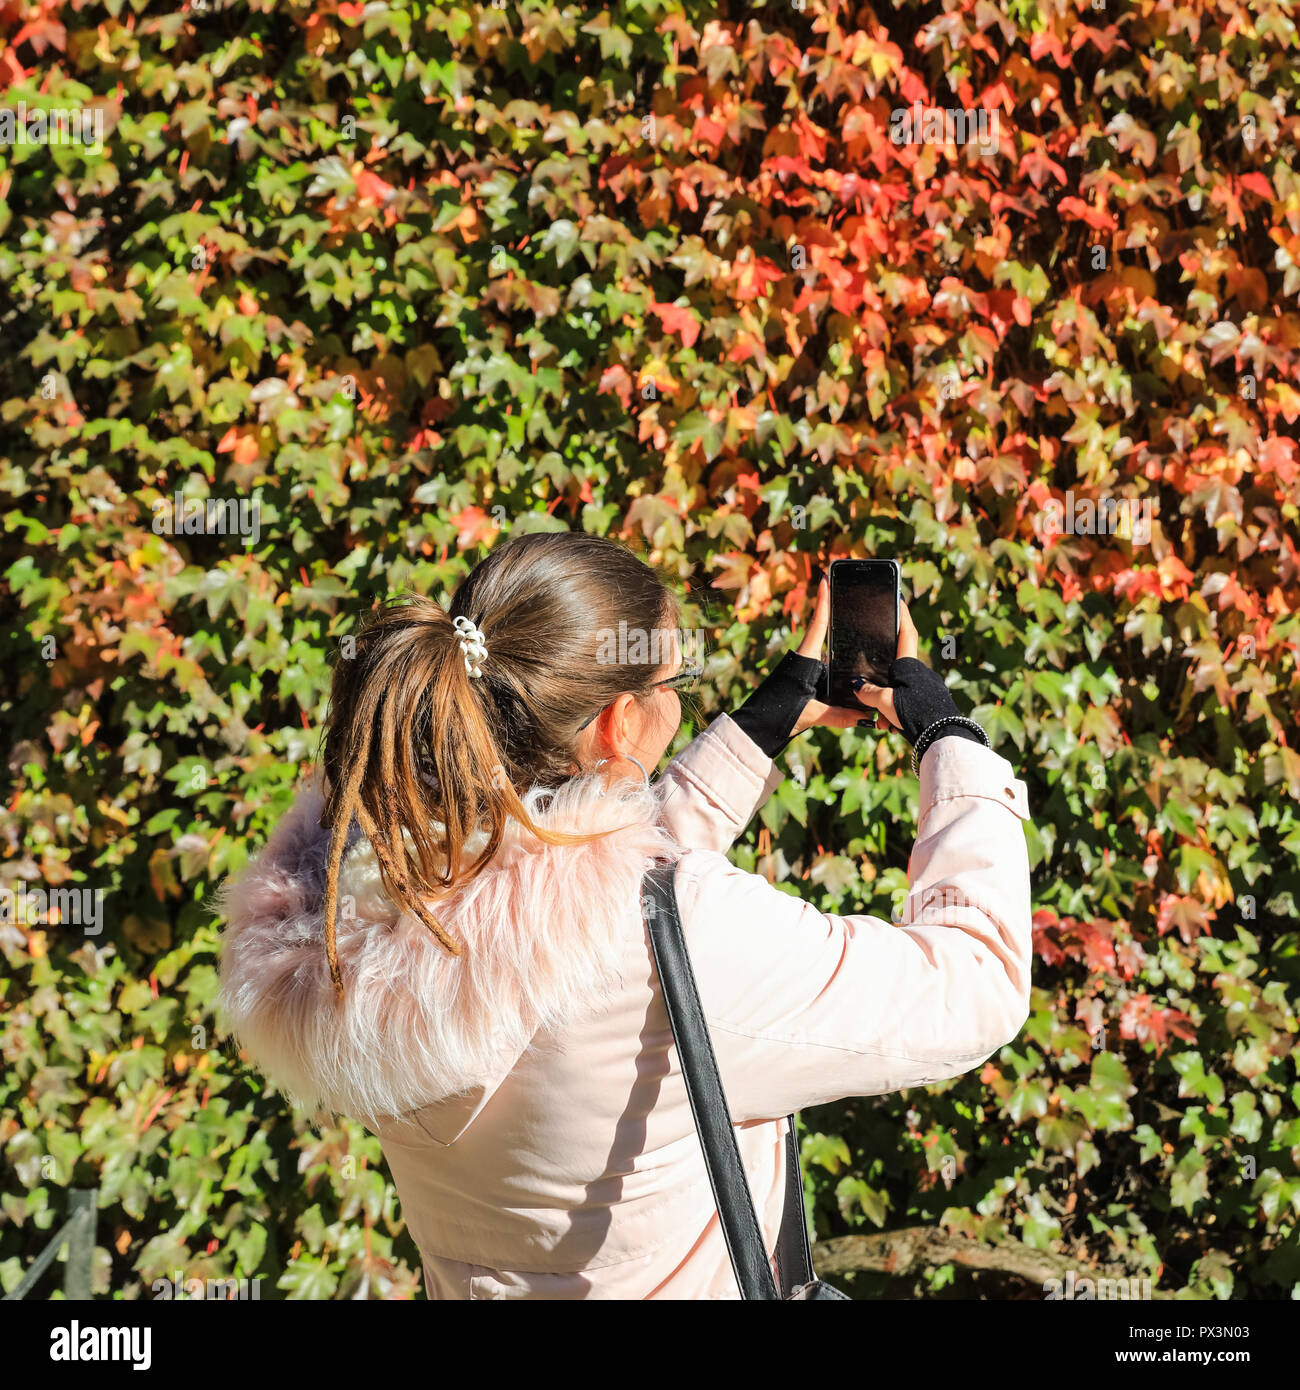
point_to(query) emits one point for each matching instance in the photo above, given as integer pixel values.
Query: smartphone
(865, 595)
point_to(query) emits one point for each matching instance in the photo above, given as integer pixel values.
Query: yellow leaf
(881, 65)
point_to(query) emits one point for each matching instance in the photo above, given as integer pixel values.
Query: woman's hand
(769, 716)
(881, 697)
(879, 700)
(917, 697)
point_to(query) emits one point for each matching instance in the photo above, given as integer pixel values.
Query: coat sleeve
(713, 787)
(805, 1007)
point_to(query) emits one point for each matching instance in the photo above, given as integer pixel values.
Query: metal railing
(78, 1234)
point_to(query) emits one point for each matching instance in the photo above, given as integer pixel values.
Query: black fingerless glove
(921, 698)
(769, 715)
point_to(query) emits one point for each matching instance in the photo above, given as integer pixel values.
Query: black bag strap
(740, 1226)
(793, 1249)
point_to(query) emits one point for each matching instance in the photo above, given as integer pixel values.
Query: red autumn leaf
(1045, 937)
(1038, 164)
(1101, 39)
(709, 131)
(371, 188)
(1142, 1020)
(679, 319)
(1256, 182)
(1277, 455)
(753, 277)
(616, 379)
(812, 138)
(473, 525)
(1098, 942)
(1096, 218)
(1048, 42)
(42, 33)
(1130, 957)
(786, 164)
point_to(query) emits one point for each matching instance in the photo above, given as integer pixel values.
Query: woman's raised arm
(806, 1007)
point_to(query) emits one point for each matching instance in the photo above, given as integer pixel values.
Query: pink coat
(526, 1093)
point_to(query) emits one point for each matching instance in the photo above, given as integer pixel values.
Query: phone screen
(864, 625)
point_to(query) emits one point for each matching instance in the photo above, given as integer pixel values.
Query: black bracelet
(929, 735)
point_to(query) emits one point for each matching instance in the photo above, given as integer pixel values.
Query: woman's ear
(614, 726)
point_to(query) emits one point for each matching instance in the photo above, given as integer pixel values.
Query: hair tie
(472, 646)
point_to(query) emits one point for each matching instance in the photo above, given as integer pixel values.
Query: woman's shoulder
(709, 885)
(696, 866)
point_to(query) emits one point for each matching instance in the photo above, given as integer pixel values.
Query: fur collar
(540, 935)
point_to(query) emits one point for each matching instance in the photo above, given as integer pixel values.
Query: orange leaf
(679, 319)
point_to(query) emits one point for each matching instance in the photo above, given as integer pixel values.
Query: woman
(445, 940)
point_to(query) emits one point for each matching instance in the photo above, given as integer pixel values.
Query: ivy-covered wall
(749, 285)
